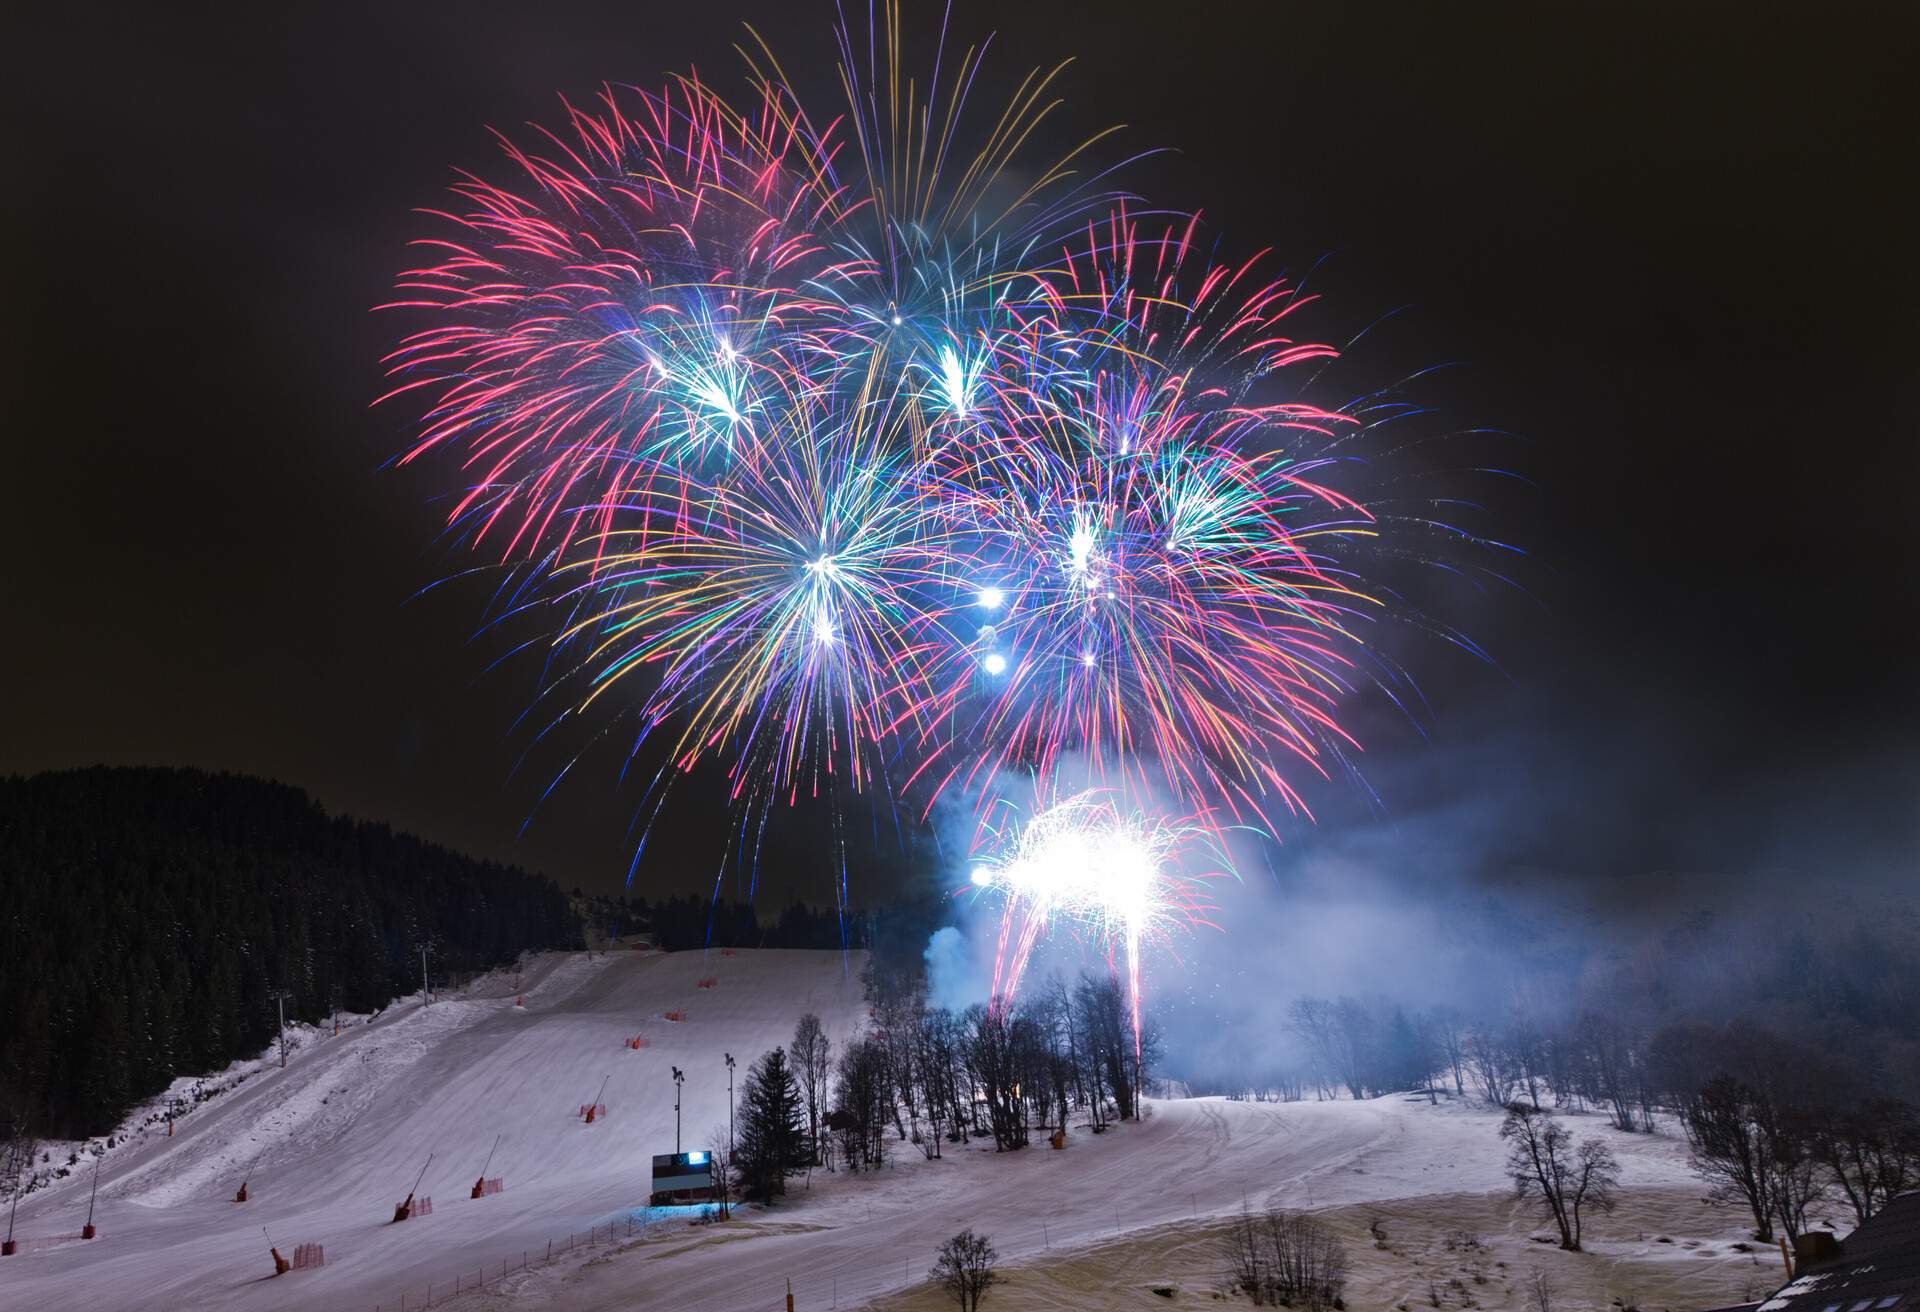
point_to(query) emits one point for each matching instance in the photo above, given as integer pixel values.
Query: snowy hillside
(336, 1140)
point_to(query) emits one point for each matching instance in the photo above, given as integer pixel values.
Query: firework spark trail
(1111, 873)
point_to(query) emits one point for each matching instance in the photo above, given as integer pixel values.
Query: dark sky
(1669, 248)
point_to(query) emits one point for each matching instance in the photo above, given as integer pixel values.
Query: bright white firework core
(712, 392)
(1084, 860)
(995, 663)
(957, 380)
(1100, 868)
(1080, 550)
(990, 598)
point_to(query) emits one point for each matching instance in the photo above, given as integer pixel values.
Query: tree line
(151, 914)
(693, 921)
(928, 1076)
(1775, 1123)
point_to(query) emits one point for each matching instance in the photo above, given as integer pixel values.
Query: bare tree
(720, 1166)
(997, 1044)
(1544, 1163)
(811, 1057)
(1872, 1152)
(1450, 1036)
(1355, 1036)
(1312, 1020)
(1246, 1257)
(1526, 1046)
(1287, 1258)
(1306, 1264)
(964, 1267)
(1614, 1054)
(1729, 1147)
(862, 1101)
(1540, 1291)
(1487, 1066)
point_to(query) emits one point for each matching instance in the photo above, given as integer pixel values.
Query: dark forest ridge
(152, 914)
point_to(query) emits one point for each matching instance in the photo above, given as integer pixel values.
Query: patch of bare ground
(1662, 1250)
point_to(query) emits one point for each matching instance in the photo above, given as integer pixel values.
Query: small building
(680, 1178)
(1874, 1269)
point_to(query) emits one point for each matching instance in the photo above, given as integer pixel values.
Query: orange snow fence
(308, 1256)
(637, 1042)
(412, 1207)
(40, 1243)
(484, 1188)
(675, 1016)
(728, 952)
(592, 1112)
(709, 981)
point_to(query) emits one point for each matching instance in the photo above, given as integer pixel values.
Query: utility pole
(13, 1178)
(727, 1210)
(280, 1000)
(729, 1057)
(679, 1078)
(426, 998)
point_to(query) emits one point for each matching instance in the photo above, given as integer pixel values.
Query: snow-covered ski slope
(334, 1142)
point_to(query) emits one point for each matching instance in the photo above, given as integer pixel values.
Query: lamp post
(280, 998)
(679, 1078)
(726, 1197)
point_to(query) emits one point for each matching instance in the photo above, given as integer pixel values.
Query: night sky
(1666, 249)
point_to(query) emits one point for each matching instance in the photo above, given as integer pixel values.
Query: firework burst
(858, 448)
(1107, 872)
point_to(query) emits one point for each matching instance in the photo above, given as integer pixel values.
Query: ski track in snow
(333, 1143)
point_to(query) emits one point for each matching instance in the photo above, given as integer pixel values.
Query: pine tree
(773, 1130)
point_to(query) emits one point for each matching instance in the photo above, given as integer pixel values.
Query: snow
(334, 1142)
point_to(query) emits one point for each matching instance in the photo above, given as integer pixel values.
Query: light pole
(280, 1000)
(679, 1078)
(426, 998)
(729, 1057)
(13, 1178)
(727, 1195)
